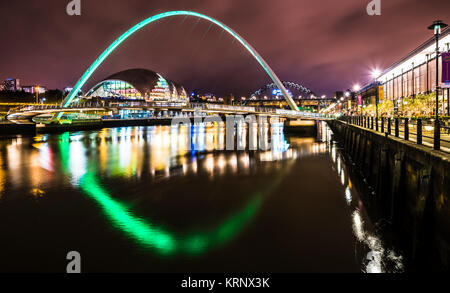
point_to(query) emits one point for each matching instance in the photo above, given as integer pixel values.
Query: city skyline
(209, 57)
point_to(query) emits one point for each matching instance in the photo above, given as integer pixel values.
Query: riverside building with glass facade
(412, 76)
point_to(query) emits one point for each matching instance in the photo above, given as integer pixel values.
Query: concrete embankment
(102, 124)
(412, 184)
(13, 129)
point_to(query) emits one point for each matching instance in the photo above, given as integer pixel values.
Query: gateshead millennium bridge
(150, 100)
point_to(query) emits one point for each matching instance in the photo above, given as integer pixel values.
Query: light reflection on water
(121, 151)
(90, 160)
(168, 149)
(378, 259)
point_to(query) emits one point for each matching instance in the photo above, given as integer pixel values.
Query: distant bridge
(286, 84)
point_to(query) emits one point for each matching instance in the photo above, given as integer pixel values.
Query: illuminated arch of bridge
(68, 100)
(287, 85)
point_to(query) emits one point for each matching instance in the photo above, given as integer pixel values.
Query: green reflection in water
(147, 234)
(162, 240)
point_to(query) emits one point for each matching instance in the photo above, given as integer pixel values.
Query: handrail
(404, 128)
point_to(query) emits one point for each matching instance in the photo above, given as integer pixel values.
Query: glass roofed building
(415, 73)
(139, 84)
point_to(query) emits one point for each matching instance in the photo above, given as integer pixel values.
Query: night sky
(326, 45)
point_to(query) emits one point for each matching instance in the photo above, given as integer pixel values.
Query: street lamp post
(356, 89)
(375, 74)
(345, 100)
(437, 26)
(37, 89)
(448, 89)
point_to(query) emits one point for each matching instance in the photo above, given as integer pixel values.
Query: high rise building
(12, 84)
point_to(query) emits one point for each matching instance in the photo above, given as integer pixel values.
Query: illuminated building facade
(415, 73)
(32, 89)
(139, 84)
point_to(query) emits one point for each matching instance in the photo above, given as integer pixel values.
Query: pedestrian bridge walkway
(27, 113)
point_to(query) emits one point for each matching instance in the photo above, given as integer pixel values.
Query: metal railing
(427, 132)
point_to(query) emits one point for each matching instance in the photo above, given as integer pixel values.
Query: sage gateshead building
(138, 84)
(412, 75)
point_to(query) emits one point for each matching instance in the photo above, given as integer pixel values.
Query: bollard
(406, 129)
(382, 124)
(437, 135)
(396, 127)
(376, 124)
(389, 126)
(371, 123)
(419, 131)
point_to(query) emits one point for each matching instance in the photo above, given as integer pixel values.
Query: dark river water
(140, 199)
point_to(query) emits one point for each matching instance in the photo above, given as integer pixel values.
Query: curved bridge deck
(27, 113)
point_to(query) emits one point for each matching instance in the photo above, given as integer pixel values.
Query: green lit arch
(68, 100)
